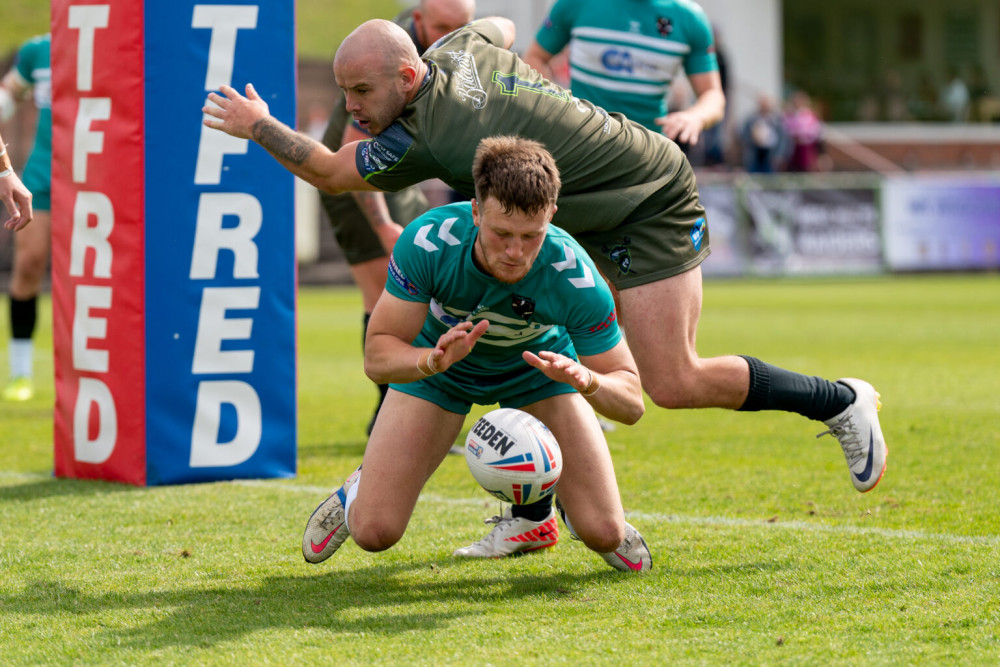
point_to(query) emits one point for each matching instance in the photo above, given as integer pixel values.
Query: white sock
(352, 493)
(21, 354)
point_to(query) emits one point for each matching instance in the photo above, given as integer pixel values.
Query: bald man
(628, 196)
(359, 219)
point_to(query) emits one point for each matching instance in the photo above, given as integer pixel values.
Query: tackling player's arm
(609, 380)
(710, 106)
(538, 58)
(249, 118)
(373, 204)
(389, 353)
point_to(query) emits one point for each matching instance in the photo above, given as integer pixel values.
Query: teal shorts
(456, 393)
(37, 177)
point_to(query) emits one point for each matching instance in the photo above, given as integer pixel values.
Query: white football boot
(860, 435)
(327, 529)
(632, 555)
(513, 535)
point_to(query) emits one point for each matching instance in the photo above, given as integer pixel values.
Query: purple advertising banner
(941, 223)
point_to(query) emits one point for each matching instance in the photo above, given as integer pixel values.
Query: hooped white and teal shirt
(624, 56)
(562, 304)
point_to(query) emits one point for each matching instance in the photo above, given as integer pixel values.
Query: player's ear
(475, 212)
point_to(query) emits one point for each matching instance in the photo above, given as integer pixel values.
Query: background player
(31, 72)
(625, 60)
(486, 303)
(359, 218)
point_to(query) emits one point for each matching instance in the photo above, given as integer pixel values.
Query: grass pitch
(763, 552)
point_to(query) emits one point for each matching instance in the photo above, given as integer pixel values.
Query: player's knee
(31, 268)
(667, 393)
(374, 535)
(604, 536)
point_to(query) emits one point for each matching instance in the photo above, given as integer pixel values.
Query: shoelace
(329, 522)
(498, 520)
(845, 431)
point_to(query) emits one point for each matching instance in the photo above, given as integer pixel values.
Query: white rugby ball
(514, 456)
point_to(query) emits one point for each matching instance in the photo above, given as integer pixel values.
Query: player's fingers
(477, 331)
(252, 92)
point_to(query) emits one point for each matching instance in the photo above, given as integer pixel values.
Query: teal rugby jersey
(476, 88)
(626, 59)
(33, 65)
(561, 305)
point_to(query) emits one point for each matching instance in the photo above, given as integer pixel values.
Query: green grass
(764, 553)
(320, 24)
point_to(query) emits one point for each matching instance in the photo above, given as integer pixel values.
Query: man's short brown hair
(518, 173)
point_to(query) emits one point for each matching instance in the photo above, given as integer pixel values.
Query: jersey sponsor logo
(606, 324)
(620, 255)
(467, 83)
(504, 330)
(384, 151)
(400, 278)
(698, 233)
(617, 60)
(569, 263)
(522, 306)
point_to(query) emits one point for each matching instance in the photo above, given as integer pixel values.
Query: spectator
(805, 131)
(765, 141)
(955, 97)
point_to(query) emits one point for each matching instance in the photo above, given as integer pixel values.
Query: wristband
(6, 172)
(430, 367)
(430, 364)
(425, 373)
(592, 386)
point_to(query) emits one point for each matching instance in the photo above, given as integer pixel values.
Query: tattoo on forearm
(281, 141)
(373, 206)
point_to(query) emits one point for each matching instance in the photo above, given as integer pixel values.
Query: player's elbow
(374, 372)
(634, 413)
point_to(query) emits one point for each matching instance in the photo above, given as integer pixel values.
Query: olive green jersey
(615, 173)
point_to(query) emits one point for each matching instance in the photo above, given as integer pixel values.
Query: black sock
(23, 315)
(773, 388)
(537, 511)
(383, 389)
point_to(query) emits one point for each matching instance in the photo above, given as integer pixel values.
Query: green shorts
(455, 393)
(351, 228)
(666, 235)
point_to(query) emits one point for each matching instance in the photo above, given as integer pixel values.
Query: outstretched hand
(235, 114)
(455, 344)
(560, 368)
(17, 199)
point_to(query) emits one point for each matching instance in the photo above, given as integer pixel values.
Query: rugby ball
(514, 456)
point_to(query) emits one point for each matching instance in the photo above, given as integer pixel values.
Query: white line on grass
(720, 521)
